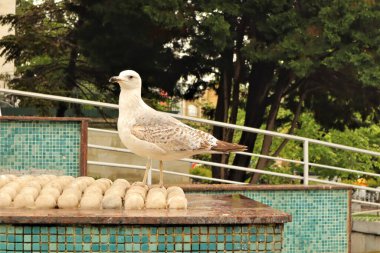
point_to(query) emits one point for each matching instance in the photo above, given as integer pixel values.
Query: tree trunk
(293, 125)
(282, 83)
(259, 84)
(237, 74)
(223, 103)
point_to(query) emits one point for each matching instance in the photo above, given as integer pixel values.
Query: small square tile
(136, 231)
(87, 238)
(19, 247)
(187, 238)
(53, 238)
(35, 246)
(104, 238)
(95, 247)
(61, 230)
(3, 229)
(145, 247)
(104, 247)
(169, 230)
(78, 238)
(35, 238)
(186, 230)
(27, 246)
(104, 231)
(44, 238)
(212, 246)
(11, 238)
(128, 239)
(178, 247)
(186, 246)
(136, 238)
(78, 247)
(237, 246)
(19, 230)
(153, 238)
(136, 247)
(86, 247)
(195, 246)
(120, 239)
(178, 238)
(52, 230)
(203, 246)
(11, 246)
(120, 247)
(204, 238)
(44, 247)
(153, 247)
(61, 247)
(69, 230)
(169, 238)
(78, 230)
(169, 247)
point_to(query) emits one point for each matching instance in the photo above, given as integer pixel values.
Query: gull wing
(172, 135)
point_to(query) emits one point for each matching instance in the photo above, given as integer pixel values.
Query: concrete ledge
(367, 227)
(230, 187)
(202, 209)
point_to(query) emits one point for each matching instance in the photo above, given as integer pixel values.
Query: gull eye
(130, 77)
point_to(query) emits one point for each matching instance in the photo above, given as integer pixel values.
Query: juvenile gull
(155, 135)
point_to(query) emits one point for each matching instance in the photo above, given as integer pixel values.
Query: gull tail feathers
(223, 146)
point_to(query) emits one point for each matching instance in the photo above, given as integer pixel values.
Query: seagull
(155, 135)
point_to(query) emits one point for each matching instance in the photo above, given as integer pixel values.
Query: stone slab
(202, 209)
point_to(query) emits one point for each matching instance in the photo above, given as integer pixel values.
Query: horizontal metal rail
(368, 211)
(222, 165)
(140, 167)
(234, 167)
(199, 120)
(344, 169)
(365, 203)
(240, 153)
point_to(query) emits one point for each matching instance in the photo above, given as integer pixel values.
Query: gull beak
(114, 79)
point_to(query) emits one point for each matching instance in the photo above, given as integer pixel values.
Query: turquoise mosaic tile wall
(319, 218)
(50, 146)
(243, 238)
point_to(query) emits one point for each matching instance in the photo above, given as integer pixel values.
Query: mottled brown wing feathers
(223, 146)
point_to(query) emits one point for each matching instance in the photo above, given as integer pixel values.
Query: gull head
(127, 79)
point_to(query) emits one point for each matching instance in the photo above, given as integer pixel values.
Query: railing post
(306, 162)
(149, 180)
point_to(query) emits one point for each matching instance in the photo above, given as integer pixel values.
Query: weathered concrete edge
(367, 227)
(285, 187)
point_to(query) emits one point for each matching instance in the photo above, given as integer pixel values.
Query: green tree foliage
(45, 51)
(362, 137)
(322, 56)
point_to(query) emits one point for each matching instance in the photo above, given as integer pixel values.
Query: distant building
(193, 108)
(6, 69)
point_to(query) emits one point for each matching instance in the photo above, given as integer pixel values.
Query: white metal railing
(306, 142)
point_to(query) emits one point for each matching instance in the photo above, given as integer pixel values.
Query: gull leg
(161, 184)
(148, 166)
